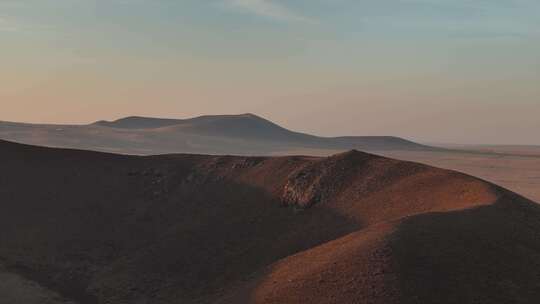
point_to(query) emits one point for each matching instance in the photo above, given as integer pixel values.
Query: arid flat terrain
(350, 228)
(519, 172)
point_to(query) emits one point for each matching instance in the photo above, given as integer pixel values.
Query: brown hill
(351, 228)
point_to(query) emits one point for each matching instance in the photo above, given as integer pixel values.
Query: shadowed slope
(488, 254)
(211, 229)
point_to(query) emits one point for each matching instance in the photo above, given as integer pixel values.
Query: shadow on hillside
(489, 254)
(191, 243)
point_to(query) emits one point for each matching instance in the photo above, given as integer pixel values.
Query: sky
(444, 71)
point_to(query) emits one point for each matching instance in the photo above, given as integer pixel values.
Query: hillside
(350, 228)
(245, 134)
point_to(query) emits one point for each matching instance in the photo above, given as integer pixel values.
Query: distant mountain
(245, 134)
(137, 122)
(247, 126)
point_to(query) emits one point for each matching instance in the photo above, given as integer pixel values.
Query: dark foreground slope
(352, 228)
(245, 134)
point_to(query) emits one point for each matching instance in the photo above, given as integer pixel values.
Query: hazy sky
(461, 71)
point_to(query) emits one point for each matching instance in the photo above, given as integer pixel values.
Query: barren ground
(16, 289)
(518, 173)
(351, 228)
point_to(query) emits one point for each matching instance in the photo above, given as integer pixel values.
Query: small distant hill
(245, 134)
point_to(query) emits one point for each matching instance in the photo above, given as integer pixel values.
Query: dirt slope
(16, 289)
(351, 228)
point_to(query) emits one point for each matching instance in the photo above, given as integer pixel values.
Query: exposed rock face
(319, 181)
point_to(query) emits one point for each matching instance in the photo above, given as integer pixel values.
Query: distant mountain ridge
(244, 134)
(138, 122)
(243, 126)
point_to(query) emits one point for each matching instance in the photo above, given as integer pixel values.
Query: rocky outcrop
(318, 181)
